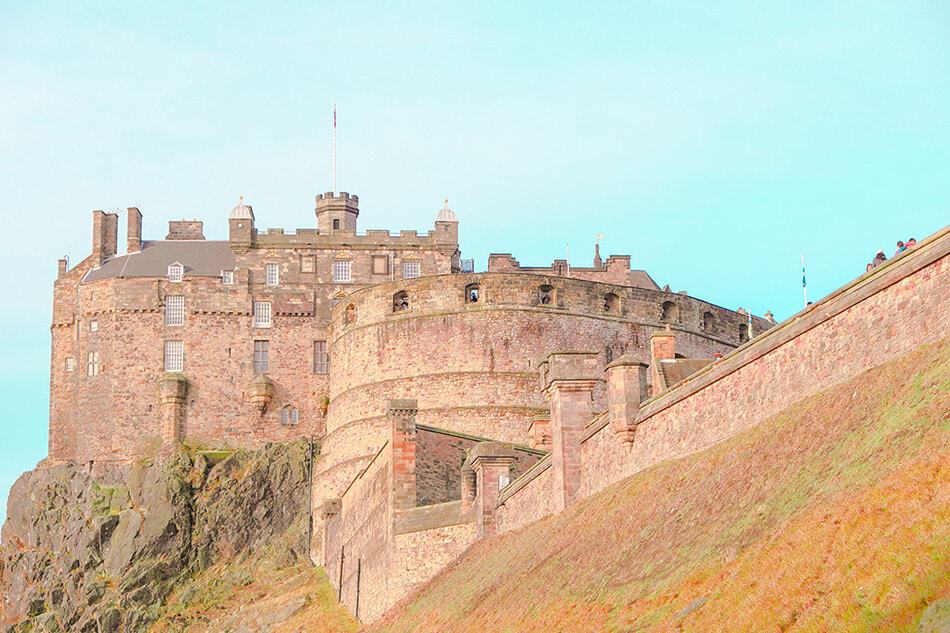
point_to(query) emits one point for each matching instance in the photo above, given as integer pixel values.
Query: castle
(416, 375)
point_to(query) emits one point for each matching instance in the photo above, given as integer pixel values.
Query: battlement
(329, 197)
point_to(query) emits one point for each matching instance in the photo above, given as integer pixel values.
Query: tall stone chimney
(133, 230)
(105, 235)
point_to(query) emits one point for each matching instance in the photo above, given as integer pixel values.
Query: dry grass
(834, 515)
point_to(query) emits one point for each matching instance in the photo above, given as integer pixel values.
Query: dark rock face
(101, 551)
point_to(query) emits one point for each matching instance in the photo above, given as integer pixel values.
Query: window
(92, 364)
(321, 360)
(174, 356)
(341, 271)
(70, 363)
(336, 224)
(307, 264)
(175, 310)
(709, 320)
(261, 357)
(380, 264)
(94, 325)
(349, 315)
(400, 301)
(669, 312)
(471, 293)
(271, 274)
(262, 314)
(546, 295)
(411, 270)
(288, 415)
(611, 303)
(175, 272)
(227, 277)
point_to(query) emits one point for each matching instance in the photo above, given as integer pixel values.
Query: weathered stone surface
(101, 552)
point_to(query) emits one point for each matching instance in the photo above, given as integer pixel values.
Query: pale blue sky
(714, 145)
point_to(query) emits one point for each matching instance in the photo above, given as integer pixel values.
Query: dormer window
(175, 272)
(272, 274)
(227, 277)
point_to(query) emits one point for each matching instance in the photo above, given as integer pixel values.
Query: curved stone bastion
(466, 347)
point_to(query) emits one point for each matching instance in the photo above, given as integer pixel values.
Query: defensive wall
(881, 315)
(407, 513)
(471, 364)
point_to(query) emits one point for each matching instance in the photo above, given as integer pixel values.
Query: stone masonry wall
(439, 458)
(880, 316)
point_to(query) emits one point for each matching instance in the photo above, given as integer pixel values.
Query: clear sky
(713, 144)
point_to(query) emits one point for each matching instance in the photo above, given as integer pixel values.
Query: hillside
(206, 541)
(834, 515)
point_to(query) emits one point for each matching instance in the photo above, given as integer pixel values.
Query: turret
(241, 227)
(337, 212)
(447, 225)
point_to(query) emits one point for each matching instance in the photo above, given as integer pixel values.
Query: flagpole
(334, 149)
(804, 285)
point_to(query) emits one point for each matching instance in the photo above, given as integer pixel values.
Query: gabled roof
(201, 258)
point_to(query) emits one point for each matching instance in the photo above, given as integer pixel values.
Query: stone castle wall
(882, 315)
(472, 365)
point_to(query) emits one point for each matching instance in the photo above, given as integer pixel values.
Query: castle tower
(337, 212)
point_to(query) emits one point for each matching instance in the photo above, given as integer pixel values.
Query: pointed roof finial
(446, 214)
(242, 211)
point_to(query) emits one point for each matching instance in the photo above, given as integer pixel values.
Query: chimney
(185, 230)
(133, 230)
(662, 347)
(105, 235)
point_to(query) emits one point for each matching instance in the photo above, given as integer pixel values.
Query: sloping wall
(881, 315)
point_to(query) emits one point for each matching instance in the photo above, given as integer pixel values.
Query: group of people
(880, 258)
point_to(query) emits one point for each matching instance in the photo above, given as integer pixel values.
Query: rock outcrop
(101, 551)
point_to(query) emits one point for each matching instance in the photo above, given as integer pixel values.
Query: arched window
(349, 315)
(709, 321)
(288, 415)
(611, 303)
(743, 332)
(546, 295)
(400, 301)
(669, 312)
(472, 293)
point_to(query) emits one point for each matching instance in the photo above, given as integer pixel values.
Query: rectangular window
(174, 310)
(94, 326)
(227, 277)
(174, 356)
(262, 314)
(380, 264)
(306, 264)
(411, 270)
(92, 364)
(271, 274)
(261, 357)
(341, 271)
(70, 363)
(321, 360)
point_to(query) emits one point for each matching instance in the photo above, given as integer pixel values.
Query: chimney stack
(105, 235)
(133, 230)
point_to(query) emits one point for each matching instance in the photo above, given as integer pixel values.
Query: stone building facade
(227, 343)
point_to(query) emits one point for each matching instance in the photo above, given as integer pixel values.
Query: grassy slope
(834, 515)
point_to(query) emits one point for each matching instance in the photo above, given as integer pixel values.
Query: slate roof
(201, 258)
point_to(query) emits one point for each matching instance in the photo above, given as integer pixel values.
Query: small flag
(334, 116)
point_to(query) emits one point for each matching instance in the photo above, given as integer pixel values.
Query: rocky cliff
(124, 547)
